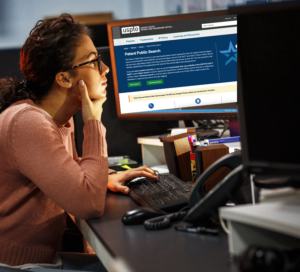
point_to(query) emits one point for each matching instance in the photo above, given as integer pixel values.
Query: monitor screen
(175, 67)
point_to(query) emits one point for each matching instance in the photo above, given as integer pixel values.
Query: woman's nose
(104, 69)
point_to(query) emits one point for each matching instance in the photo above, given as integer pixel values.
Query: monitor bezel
(161, 116)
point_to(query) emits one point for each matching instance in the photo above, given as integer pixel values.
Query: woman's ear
(63, 79)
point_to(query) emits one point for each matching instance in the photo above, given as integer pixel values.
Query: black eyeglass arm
(98, 59)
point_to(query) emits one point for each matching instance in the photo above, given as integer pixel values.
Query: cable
(163, 222)
(212, 124)
(225, 128)
(224, 226)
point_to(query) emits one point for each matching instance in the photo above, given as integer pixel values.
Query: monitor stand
(233, 127)
(201, 133)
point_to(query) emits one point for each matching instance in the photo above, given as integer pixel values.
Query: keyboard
(169, 193)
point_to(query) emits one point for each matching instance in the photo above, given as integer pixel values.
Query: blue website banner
(179, 63)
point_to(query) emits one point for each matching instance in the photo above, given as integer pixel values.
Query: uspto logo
(130, 29)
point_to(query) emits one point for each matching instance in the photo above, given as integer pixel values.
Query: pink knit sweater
(41, 178)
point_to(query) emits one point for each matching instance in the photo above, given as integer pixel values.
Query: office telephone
(204, 205)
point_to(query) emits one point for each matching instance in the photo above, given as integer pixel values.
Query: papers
(161, 169)
(176, 131)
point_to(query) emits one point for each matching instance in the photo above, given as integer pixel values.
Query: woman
(42, 178)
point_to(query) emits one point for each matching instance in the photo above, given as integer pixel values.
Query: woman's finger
(84, 93)
(146, 168)
(141, 173)
(149, 175)
(121, 188)
(91, 110)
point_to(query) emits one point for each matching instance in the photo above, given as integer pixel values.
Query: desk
(153, 150)
(152, 251)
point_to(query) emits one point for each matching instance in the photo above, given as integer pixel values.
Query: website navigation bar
(177, 36)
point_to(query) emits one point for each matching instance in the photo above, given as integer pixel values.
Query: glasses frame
(98, 59)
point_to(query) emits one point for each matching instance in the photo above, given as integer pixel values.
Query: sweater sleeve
(75, 155)
(39, 154)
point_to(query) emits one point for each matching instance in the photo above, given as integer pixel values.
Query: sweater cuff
(94, 139)
(110, 171)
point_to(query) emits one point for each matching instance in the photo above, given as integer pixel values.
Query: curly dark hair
(49, 49)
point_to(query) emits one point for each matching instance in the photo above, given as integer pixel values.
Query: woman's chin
(98, 95)
(103, 94)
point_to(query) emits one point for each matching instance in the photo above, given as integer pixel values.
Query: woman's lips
(104, 83)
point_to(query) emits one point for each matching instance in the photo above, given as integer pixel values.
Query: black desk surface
(164, 250)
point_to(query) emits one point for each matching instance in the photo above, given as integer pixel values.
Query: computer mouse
(139, 215)
(131, 183)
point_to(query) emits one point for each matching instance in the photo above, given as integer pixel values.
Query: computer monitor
(175, 67)
(268, 87)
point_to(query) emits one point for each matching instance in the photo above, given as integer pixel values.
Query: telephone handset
(204, 205)
(231, 161)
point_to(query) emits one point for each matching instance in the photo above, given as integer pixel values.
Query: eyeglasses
(98, 59)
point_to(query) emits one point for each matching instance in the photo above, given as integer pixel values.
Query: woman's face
(89, 73)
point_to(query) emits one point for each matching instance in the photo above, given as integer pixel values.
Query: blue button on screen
(198, 101)
(151, 106)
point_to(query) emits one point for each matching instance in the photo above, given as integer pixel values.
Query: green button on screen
(135, 84)
(155, 82)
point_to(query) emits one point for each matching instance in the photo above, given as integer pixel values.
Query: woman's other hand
(116, 181)
(91, 109)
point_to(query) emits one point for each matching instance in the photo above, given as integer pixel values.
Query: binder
(205, 156)
(177, 153)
